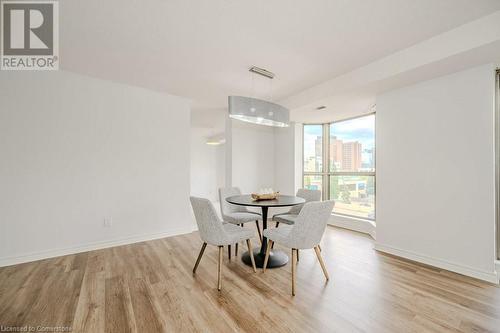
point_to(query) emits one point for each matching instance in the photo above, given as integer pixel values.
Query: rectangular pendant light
(258, 111)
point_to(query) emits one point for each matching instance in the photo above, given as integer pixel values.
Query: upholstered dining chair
(290, 216)
(305, 233)
(235, 214)
(215, 232)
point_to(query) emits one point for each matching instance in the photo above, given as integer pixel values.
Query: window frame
(497, 159)
(326, 173)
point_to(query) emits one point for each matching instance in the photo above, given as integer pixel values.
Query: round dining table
(277, 258)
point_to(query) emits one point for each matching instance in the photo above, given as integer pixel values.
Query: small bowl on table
(266, 196)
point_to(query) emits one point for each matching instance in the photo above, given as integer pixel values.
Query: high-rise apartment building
(351, 156)
(336, 153)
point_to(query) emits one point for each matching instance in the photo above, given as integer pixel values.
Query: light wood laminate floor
(149, 287)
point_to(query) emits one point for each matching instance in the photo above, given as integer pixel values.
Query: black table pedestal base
(277, 258)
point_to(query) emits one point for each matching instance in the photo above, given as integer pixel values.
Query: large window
(348, 176)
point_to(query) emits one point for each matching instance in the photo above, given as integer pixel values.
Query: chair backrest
(226, 207)
(209, 224)
(308, 195)
(311, 223)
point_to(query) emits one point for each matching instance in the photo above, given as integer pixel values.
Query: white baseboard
(351, 223)
(492, 277)
(33, 256)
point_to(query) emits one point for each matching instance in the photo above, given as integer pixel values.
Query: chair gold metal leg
(229, 252)
(258, 230)
(266, 258)
(219, 268)
(294, 268)
(320, 259)
(250, 251)
(199, 257)
(319, 247)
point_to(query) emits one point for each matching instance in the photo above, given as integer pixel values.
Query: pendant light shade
(258, 111)
(215, 140)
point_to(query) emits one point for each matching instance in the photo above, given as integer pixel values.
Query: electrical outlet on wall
(108, 222)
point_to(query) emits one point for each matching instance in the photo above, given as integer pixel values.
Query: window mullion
(351, 173)
(326, 161)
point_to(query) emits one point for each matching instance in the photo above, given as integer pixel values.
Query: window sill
(354, 218)
(353, 223)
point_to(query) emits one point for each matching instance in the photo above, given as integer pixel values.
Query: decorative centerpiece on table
(265, 194)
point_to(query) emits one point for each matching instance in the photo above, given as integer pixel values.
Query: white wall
(220, 166)
(285, 149)
(262, 157)
(203, 165)
(75, 150)
(299, 155)
(251, 156)
(435, 172)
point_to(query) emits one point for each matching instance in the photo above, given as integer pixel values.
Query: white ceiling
(202, 49)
